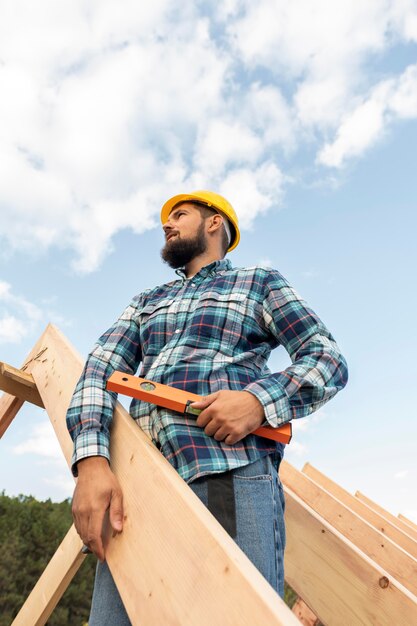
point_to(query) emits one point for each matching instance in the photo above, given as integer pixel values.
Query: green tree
(30, 532)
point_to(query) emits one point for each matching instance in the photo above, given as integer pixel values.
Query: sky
(304, 115)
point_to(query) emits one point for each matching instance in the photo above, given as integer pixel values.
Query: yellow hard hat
(213, 201)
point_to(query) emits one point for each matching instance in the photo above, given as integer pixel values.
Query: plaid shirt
(213, 331)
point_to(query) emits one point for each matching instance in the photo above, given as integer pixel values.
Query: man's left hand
(229, 415)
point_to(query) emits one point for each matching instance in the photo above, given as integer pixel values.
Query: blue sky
(304, 116)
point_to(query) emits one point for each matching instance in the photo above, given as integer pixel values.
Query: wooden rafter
(9, 407)
(364, 511)
(340, 583)
(407, 521)
(9, 403)
(19, 384)
(405, 528)
(396, 561)
(304, 614)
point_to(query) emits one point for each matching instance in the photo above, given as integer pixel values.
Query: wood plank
(9, 408)
(53, 583)
(396, 561)
(390, 530)
(340, 583)
(9, 404)
(173, 563)
(407, 521)
(304, 614)
(19, 383)
(387, 515)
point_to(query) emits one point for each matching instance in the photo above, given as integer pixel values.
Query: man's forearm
(318, 372)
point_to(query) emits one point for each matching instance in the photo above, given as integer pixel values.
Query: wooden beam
(387, 515)
(52, 584)
(9, 408)
(10, 404)
(407, 521)
(387, 554)
(19, 384)
(304, 614)
(340, 583)
(173, 563)
(390, 530)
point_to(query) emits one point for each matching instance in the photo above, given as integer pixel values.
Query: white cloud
(4, 290)
(12, 330)
(298, 447)
(403, 98)
(63, 482)
(98, 136)
(366, 124)
(404, 16)
(361, 128)
(325, 47)
(295, 450)
(266, 111)
(320, 101)
(401, 474)
(106, 112)
(265, 262)
(226, 143)
(306, 423)
(254, 191)
(42, 441)
(411, 514)
(311, 40)
(18, 316)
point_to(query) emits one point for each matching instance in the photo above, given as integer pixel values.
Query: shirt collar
(211, 269)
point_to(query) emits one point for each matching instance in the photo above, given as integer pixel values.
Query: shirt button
(192, 284)
(177, 331)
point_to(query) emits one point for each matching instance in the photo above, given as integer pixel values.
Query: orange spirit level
(178, 400)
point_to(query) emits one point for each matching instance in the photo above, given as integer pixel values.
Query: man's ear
(216, 221)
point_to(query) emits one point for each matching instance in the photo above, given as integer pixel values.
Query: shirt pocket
(156, 321)
(218, 318)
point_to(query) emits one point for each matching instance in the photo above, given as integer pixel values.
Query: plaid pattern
(211, 332)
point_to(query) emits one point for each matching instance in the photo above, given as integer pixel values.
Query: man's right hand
(97, 490)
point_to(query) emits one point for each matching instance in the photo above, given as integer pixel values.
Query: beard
(179, 252)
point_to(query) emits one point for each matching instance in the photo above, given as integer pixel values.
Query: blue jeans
(259, 502)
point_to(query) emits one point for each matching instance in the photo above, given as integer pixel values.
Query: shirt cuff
(274, 400)
(89, 443)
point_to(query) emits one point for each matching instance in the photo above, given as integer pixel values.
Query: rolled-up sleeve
(318, 370)
(90, 412)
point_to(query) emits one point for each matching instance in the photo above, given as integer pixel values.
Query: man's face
(184, 235)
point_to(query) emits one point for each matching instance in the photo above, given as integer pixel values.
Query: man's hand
(229, 415)
(97, 490)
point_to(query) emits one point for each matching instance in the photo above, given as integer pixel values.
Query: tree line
(30, 533)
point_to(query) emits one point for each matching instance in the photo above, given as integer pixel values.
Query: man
(210, 332)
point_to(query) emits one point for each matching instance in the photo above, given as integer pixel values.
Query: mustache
(171, 234)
